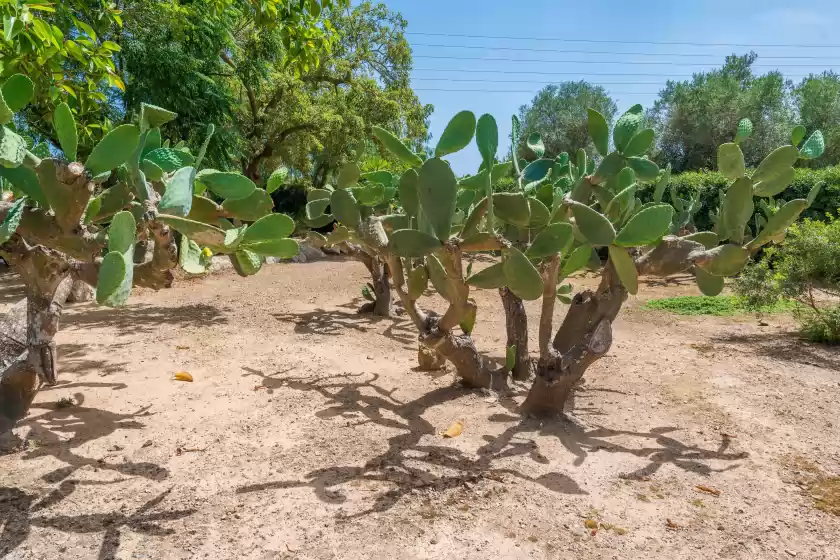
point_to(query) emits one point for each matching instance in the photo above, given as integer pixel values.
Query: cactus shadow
(668, 281)
(787, 347)
(141, 318)
(413, 462)
(57, 432)
(331, 322)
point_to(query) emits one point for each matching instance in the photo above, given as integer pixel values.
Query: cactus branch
(549, 299)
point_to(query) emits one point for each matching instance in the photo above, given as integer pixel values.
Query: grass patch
(720, 306)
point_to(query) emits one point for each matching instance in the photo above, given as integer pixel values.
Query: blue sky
(742, 22)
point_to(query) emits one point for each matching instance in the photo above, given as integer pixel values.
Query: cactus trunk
(583, 338)
(516, 322)
(382, 306)
(473, 368)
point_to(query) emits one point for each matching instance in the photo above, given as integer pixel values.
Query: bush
(805, 267)
(711, 183)
(720, 306)
(820, 326)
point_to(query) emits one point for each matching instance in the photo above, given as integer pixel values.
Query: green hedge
(710, 183)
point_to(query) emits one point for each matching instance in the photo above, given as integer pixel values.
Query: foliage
(65, 48)
(558, 114)
(708, 186)
(821, 326)
(692, 118)
(805, 267)
(721, 306)
(817, 100)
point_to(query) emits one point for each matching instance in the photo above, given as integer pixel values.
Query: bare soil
(307, 433)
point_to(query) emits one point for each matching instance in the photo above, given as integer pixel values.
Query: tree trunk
(516, 322)
(584, 336)
(382, 306)
(474, 369)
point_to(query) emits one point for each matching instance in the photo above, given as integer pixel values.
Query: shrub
(805, 267)
(721, 306)
(711, 183)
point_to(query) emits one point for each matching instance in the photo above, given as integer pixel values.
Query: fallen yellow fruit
(183, 376)
(454, 430)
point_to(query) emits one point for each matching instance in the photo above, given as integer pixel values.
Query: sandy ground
(307, 434)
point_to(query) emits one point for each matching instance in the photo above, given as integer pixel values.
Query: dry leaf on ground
(708, 490)
(454, 430)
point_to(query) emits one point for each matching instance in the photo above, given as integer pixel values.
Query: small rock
(790, 552)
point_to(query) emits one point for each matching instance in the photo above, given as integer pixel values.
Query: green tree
(692, 118)
(558, 114)
(817, 99)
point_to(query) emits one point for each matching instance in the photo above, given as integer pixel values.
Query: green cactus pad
(12, 148)
(344, 208)
(490, 278)
(779, 222)
(577, 260)
(418, 281)
(177, 200)
(25, 180)
(731, 161)
(316, 208)
(611, 165)
(537, 170)
(203, 234)
(369, 195)
(112, 272)
(625, 268)
(437, 191)
(745, 130)
(318, 194)
(204, 210)
(467, 322)
(122, 232)
(9, 225)
(384, 178)
(640, 143)
(815, 192)
(246, 263)
(773, 184)
(276, 179)
(550, 241)
(321, 221)
(474, 218)
(17, 92)
(413, 243)
(645, 169)
(465, 199)
(627, 126)
(646, 227)
(250, 208)
(226, 184)
(397, 148)
(348, 175)
(521, 277)
(813, 147)
(535, 144)
(512, 208)
(540, 214)
(113, 150)
(736, 210)
(709, 284)
(797, 134)
(437, 275)
(487, 138)
(409, 193)
(189, 256)
(269, 228)
(775, 163)
(592, 224)
(599, 131)
(153, 141)
(708, 239)
(457, 134)
(724, 260)
(168, 159)
(620, 203)
(151, 171)
(280, 248)
(152, 116)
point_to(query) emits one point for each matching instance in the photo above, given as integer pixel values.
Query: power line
(542, 73)
(582, 51)
(617, 42)
(622, 62)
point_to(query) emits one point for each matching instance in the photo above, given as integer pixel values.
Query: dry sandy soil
(308, 434)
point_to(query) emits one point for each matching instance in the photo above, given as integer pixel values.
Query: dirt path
(307, 434)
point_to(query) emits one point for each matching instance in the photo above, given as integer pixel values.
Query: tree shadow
(20, 511)
(11, 287)
(787, 347)
(668, 281)
(73, 359)
(413, 463)
(17, 508)
(322, 322)
(141, 318)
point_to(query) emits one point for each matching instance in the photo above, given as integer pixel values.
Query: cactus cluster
(111, 221)
(564, 213)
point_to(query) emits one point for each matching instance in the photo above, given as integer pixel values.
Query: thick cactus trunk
(584, 336)
(516, 323)
(472, 368)
(382, 306)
